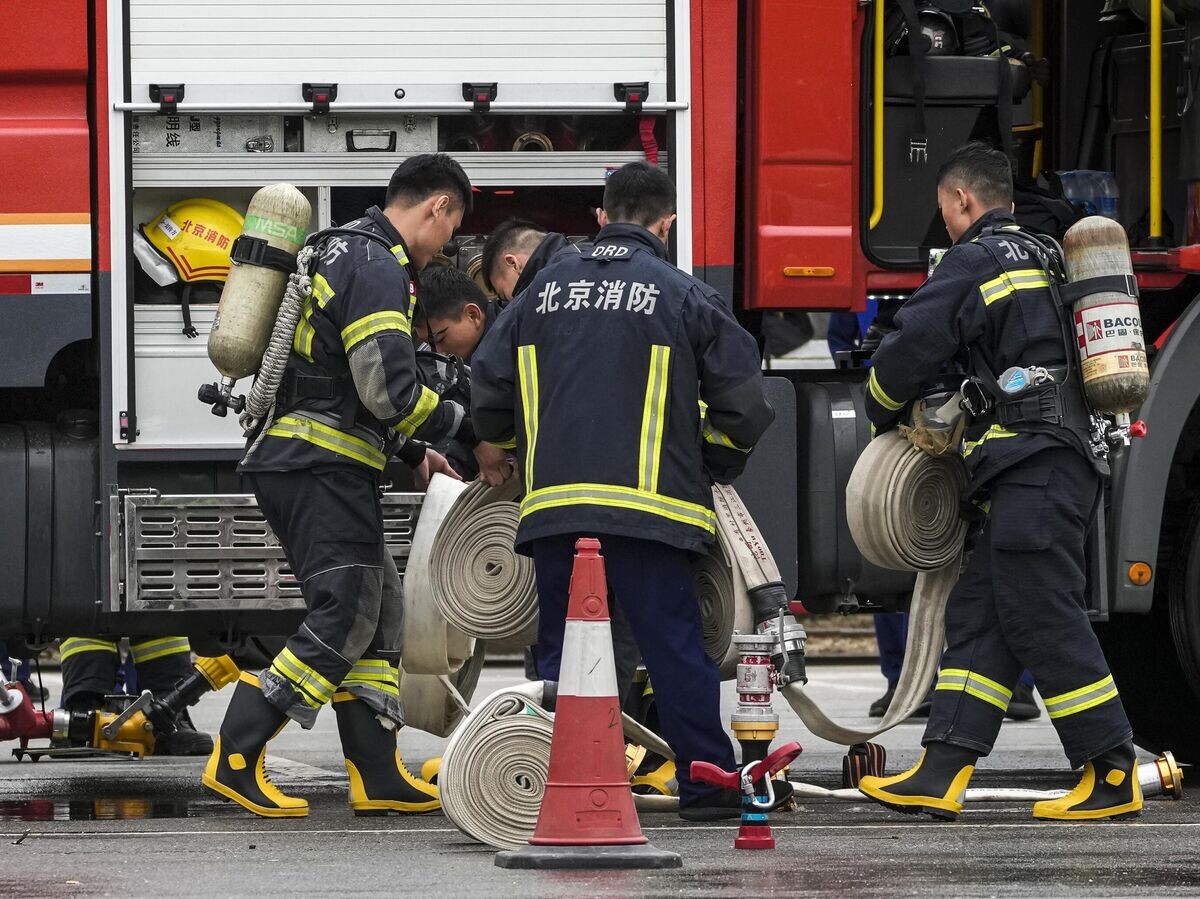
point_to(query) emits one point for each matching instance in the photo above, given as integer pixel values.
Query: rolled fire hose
(477, 580)
(903, 510)
(494, 770)
(440, 663)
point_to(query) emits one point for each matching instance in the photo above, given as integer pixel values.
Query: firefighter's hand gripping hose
(903, 510)
(494, 770)
(270, 373)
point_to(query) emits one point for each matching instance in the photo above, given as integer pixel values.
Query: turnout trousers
(1021, 604)
(330, 523)
(651, 582)
(89, 664)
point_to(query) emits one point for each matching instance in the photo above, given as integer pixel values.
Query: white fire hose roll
(494, 770)
(903, 509)
(478, 580)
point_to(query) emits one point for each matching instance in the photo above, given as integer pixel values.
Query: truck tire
(1155, 658)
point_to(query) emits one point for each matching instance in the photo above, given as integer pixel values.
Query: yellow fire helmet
(190, 242)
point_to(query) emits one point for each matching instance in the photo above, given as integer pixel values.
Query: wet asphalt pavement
(134, 829)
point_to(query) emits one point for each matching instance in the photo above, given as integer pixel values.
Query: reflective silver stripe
(1082, 699)
(974, 685)
(148, 650)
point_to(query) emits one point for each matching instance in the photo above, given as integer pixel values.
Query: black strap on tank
(247, 250)
(1071, 293)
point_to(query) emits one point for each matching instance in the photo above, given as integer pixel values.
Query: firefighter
(454, 313)
(596, 376)
(514, 254)
(89, 672)
(351, 396)
(1020, 602)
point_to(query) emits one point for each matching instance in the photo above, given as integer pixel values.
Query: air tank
(1108, 323)
(278, 214)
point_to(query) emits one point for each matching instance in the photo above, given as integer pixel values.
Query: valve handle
(707, 772)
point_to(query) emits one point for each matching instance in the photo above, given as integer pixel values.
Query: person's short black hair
(445, 292)
(639, 193)
(981, 169)
(511, 236)
(420, 177)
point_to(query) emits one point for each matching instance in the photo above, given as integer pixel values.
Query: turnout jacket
(353, 392)
(989, 296)
(596, 375)
(543, 254)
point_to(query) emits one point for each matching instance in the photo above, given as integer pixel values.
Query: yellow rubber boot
(379, 782)
(935, 786)
(236, 770)
(1109, 788)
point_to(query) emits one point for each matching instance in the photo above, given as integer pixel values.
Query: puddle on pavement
(106, 809)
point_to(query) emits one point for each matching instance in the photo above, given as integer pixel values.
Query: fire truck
(804, 141)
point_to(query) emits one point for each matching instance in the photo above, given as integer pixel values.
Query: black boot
(1022, 706)
(185, 741)
(379, 782)
(881, 705)
(236, 769)
(1109, 788)
(935, 786)
(714, 806)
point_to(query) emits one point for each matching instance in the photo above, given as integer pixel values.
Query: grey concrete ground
(133, 829)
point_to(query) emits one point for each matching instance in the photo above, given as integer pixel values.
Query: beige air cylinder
(278, 214)
(1108, 323)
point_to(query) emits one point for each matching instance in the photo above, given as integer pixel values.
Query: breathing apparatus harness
(1051, 395)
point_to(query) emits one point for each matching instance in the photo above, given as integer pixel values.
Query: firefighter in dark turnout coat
(1021, 602)
(596, 375)
(352, 396)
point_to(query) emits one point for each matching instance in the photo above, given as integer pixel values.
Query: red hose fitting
(23, 721)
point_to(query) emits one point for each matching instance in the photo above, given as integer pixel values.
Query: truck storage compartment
(1128, 90)
(393, 133)
(832, 429)
(960, 105)
(185, 134)
(48, 534)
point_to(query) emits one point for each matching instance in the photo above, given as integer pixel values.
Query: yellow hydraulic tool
(135, 728)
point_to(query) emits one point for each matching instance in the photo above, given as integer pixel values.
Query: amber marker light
(1140, 574)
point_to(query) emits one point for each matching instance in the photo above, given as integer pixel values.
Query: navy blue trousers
(652, 583)
(891, 633)
(1021, 605)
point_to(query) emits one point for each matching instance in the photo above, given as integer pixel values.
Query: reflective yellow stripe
(149, 650)
(622, 498)
(401, 256)
(992, 433)
(75, 645)
(506, 444)
(880, 394)
(528, 375)
(374, 673)
(302, 340)
(976, 685)
(310, 682)
(302, 427)
(1082, 699)
(420, 413)
(1020, 279)
(321, 290)
(358, 331)
(654, 418)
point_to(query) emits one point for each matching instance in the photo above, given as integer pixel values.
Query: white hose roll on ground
(478, 580)
(903, 507)
(494, 770)
(982, 794)
(431, 644)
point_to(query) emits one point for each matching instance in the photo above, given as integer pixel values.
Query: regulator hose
(274, 362)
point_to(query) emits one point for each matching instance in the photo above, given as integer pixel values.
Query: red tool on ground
(19, 719)
(587, 818)
(755, 832)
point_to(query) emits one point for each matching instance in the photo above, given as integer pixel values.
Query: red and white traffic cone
(587, 818)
